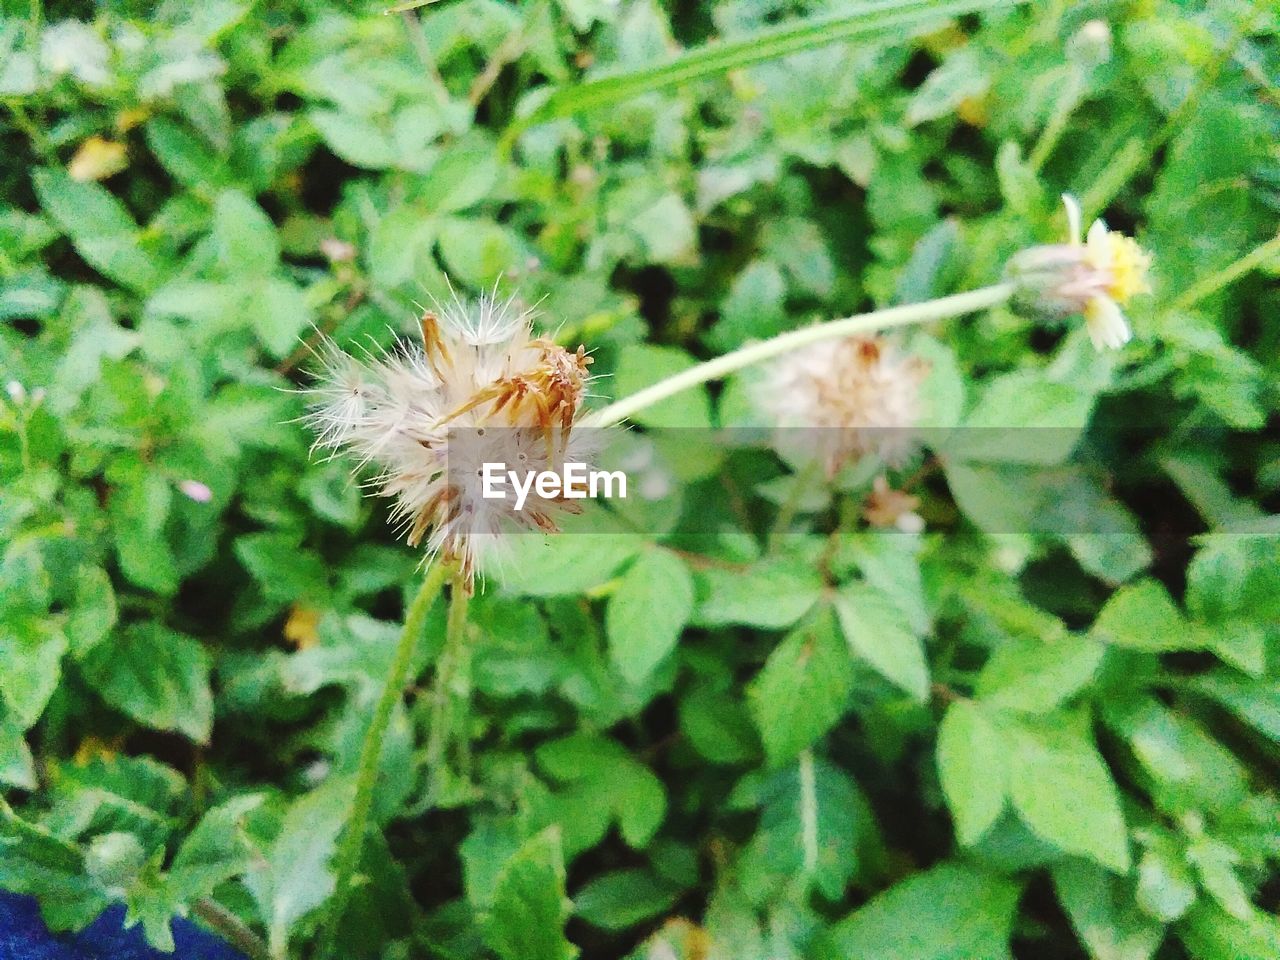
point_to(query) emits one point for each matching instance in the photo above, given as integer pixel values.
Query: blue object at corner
(23, 936)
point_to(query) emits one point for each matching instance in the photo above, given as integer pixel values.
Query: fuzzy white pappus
(479, 388)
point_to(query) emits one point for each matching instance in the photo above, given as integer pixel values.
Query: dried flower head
(479, 389)
(1094, 277)
(836, 402)
(888, 508)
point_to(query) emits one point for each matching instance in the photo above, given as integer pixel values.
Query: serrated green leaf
(624, 898)
(156, 676)
(1035, 677)
(974, 769)
(31, 649)
(878, 632)
(1142, 616)
(527, 916)
(100, 228)
(1062, 789)
(770, 595)
(646, 613)
(216, 850)
(244, 237)
(951, 912)
(292, 877)
(1103, 914)
(801, 691)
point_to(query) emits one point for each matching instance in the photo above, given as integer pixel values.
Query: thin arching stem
(753, 353)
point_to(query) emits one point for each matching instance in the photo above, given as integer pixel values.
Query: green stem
(800, 485)
(455, 645)
(1207, 286)
(352, 844)
(225, 923)
(35, 24)
(1067, 101)
(753, 353)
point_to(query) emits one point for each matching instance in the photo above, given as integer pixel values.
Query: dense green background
(961, 745)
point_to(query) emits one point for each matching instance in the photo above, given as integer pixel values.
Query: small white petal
(1106, 324)
(1097, 238)
(1074, 218)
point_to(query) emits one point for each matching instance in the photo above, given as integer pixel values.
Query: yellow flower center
(1125, 263)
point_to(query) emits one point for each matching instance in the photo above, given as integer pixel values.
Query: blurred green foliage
(708, 744)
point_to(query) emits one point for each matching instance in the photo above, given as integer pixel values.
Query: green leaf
(719, 727)
(1023, 418)
(566, 564)
(1064, 792)
(960, 77)
(1235, 576)
(811, 824)
(292, 876)
(1211, 933)
(216, 850)
(604, 782)
(801, 691)
(139, 509)
(974, 769)
(278, 312)
(529, 908)
(624, 898)
(646, 613)
(951, 912)
(244, 237)
(184, 155)
(100, 229)
(1103, 914)
(17, 766)
(754, 307)
(477, 250)
(1215, 863)
(1256, 703)
(1241, 643)
(1035, 677)
(642, 365)
(283, 570)
(770, 595)
(878, 632)
(465, 174)
(1143, 617)
(156, 676)
(34, 861)
(31, 650)
(1166, 888)
(1189, 769)
(94, 613)
(356, 139)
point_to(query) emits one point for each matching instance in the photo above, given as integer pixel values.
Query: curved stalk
(451, 657)
(228, 925)
(753, 353)
(348, 857)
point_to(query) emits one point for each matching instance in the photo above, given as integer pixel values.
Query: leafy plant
(739, 719)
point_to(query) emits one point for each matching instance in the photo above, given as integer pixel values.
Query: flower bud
(1092, 278)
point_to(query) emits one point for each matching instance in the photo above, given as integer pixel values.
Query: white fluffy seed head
(836, 402)
(479, 389)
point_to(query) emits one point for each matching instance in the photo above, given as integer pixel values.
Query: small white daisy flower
(1093, 277)
(480, 389)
